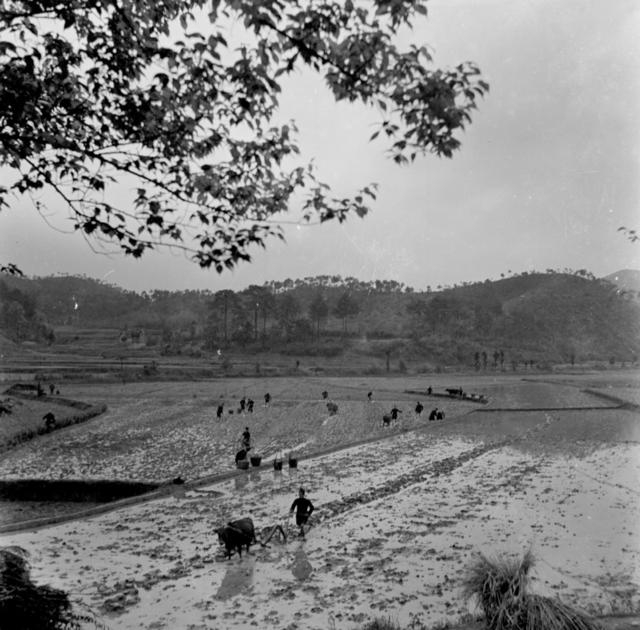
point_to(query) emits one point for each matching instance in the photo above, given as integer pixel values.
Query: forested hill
(551, 316)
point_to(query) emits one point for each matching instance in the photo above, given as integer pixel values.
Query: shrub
(25, 605)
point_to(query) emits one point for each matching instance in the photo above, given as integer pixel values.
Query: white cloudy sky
(548, 170)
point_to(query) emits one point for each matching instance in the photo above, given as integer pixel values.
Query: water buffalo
(236, 534)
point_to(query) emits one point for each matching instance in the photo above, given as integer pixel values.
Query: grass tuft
(500, 586)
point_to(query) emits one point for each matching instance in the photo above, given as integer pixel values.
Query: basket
(277, 464)
(243, 464)
(256, 460)
(293, 462)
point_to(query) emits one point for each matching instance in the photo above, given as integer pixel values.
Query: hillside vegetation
(526, 319)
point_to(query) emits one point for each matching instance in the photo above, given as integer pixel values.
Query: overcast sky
(547, 172)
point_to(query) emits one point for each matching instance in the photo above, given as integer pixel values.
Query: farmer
(419, 408)
(267, 399)
(52, 389)
(369, 395)
(434, 414)
(49, 420)
(243, 403)
(303, 508)
(250, 405)
(429, 390)
(325, 394)
(394, 413)
(219, 411)
(246, 439)
(440, 415)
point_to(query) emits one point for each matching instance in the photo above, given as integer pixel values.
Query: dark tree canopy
(150, 95)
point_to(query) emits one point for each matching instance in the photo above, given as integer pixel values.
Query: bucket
(277, 464)
(255, 460)
(293, 462)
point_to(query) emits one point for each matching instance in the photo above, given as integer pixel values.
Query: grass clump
(500, 586)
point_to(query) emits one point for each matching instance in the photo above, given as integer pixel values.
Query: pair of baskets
(293, 463)
(254, 460)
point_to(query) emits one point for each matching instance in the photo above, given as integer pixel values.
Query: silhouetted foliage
(152, 91)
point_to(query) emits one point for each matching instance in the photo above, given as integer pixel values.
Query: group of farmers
(246, 405)
(302, 506)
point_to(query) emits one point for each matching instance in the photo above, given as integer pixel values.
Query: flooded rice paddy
(396, 522)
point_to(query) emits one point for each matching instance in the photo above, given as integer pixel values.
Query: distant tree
(287, 311)
(14, 320)
(251, 296)
(346, 307)
(390, 349)
(318, 310)
(222, 305)
(302, 329)
(242, 333)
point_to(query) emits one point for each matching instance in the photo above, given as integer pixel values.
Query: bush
(25, 606)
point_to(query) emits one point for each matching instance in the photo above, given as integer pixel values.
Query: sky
(547, 173)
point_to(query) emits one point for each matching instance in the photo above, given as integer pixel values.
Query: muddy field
(545, 465)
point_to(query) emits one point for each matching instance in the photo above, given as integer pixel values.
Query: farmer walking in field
(219, 411)
(246, 439)
(303, 509)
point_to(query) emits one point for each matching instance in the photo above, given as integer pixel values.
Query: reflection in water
(301, 567)
(238, 578)
(240, 482)
(178, 491)
(254, 475)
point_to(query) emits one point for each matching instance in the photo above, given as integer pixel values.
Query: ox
(236, 534)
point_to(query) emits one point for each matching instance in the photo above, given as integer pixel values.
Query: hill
(527, 318)
(625, 279)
